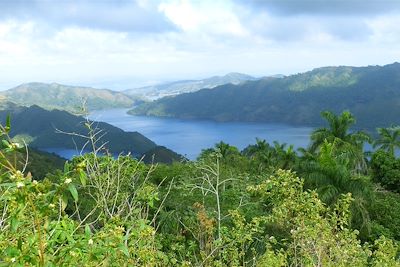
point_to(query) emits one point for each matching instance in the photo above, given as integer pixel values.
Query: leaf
(64, 202)
(66, 167)
(14, 224)
(74, 192)
(82, 177)
(5, 143)
(7, 185)
(88, 232)
(124, 250)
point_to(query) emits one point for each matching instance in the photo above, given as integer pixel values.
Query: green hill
(371, 93)
(63, 97)
(38, 126)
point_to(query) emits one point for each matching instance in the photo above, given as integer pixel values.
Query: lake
(189, 137)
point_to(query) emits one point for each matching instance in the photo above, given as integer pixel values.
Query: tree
(225, 149)
(338, 133)
(260, 147)
(386, 170)
(389, 139)
(331, 177)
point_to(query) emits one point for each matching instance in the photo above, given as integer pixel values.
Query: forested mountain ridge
(371, 93)
(186, 86)
(64, 97)
(38, 127)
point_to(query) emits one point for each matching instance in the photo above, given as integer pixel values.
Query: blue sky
(128, 43)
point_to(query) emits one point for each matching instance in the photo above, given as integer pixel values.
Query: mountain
(371, 93)
(179, 87)
(64, 97)
(38, 126)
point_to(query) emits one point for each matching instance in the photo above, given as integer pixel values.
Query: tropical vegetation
(268, 205)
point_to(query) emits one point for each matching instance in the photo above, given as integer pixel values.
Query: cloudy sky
(122, 44)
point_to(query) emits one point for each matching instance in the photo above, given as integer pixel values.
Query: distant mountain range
(186, 86)
(372, 93)
(38, 127)
(64, 97)
(71, 98)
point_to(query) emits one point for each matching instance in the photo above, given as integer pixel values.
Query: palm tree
(389, 139)
(286, 156)
(331, 177)
(338, 130)
(346, 143)
(261, 146)
(225, 149)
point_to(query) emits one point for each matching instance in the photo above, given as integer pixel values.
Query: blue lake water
(189, 137)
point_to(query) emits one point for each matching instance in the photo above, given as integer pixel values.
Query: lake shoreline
(189, 137)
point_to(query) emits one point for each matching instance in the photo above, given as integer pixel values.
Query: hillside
(38, 127)
(371, 93)
(64, 97)
(179, 87)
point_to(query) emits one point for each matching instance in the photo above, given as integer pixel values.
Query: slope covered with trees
(60, 129)
(265, 206)
(64, 97)
(371, 93)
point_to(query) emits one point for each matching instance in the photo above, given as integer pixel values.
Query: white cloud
(209, 38)
(209, 17)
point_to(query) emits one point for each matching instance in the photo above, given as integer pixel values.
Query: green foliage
(386, 170)
(385, 215)
(225, 209)
(345, 144)
(161, 154)
(389, 139)
(37, 229)
(319, 235)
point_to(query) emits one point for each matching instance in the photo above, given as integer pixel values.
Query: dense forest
(370, 93)
(329, 204)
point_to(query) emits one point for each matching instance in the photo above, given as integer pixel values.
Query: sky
(121, 44)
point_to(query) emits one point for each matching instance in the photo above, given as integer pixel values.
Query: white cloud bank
(127, 43)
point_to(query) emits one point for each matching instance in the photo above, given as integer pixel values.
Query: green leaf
(14, 224)
(7, 185)
(5, 143)
(124, 249)
(64, 202)
(74, 192)
(88, 232)
(82, 177)
(66, 167)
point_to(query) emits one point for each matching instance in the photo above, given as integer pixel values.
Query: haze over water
(189, 137)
